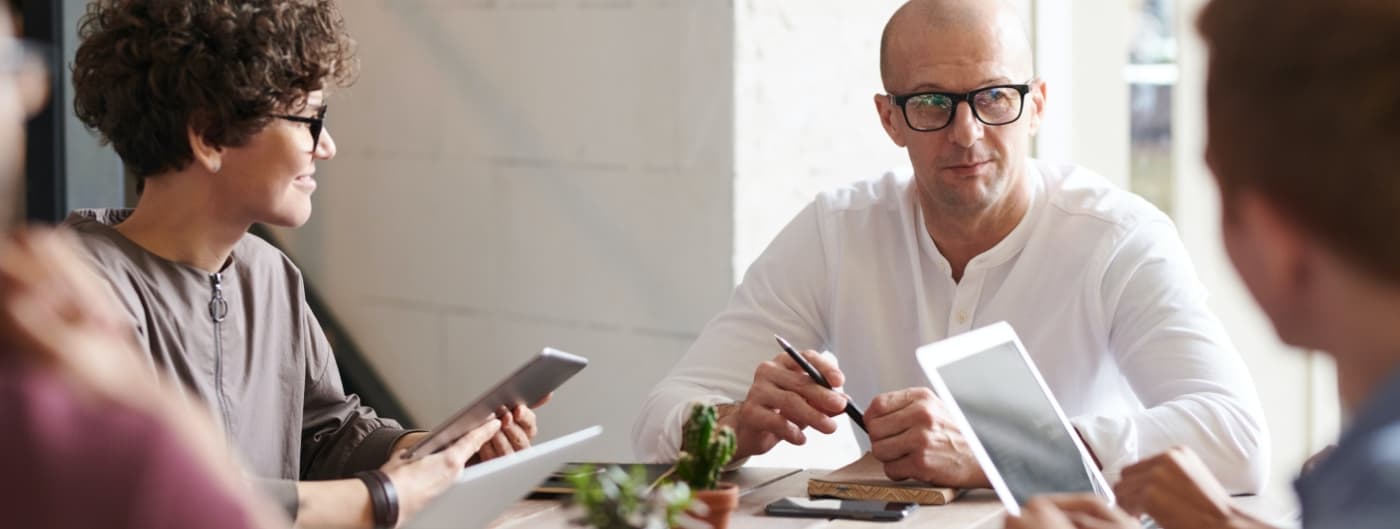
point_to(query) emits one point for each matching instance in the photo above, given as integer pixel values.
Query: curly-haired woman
(219, 107)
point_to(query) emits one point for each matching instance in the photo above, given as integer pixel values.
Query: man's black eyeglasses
(993, 105)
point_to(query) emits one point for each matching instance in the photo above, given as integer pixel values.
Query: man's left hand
(912, 433)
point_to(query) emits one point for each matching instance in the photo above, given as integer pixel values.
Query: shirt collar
(1008, 247)
(1379, 411)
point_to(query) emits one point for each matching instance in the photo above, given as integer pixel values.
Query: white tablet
(526, 386)
(1011, 420)
(484, 490)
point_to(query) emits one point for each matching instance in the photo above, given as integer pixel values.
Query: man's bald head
(993, 23)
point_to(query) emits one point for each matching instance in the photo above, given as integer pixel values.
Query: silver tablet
(533, 381)
(484, 490)
(1011, 421)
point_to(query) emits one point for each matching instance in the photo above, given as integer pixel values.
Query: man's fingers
(827, 401)
(902, 468)
(916, 415)
(798, 411)
(761, 420)
(892, 448)
(824, 364)
(887, 403)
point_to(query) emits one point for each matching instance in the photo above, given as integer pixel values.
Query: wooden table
(978, 509)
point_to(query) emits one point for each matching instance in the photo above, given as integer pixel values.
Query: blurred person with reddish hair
(1304, 141)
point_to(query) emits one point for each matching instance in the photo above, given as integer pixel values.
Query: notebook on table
(865, 480)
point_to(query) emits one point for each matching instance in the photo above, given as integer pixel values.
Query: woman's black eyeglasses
(317, 124)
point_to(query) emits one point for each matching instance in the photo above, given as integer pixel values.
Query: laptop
(484, 490)
(1011, 420)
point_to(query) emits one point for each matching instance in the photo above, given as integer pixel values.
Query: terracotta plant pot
(719, 503)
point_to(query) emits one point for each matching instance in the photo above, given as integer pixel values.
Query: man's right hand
(420, 481)
(782, 402)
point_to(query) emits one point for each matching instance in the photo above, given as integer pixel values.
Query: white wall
(1081, 47)
(805, 77)
(515, 174)
(596, 174)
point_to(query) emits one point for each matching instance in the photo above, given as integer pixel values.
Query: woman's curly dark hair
(149, 70)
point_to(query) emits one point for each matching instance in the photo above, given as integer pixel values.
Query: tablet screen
(1016, 423)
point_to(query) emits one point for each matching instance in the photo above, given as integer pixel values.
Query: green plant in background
(704, 449)
(612, 498)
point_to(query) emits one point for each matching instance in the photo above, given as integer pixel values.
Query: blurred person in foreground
(90, 440)
(1304, 141)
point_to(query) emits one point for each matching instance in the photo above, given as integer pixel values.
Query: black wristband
(383, 498)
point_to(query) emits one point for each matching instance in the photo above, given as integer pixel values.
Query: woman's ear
(206, 154)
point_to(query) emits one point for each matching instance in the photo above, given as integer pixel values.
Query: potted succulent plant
(612, 498)
(705, 450)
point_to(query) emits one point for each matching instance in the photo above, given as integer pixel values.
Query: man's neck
(1361, 330)
(178, 219)
(961, 235)
(1367, 364)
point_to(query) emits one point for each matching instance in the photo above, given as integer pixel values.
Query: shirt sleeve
(339, 435)
(1178, 359)
(783, 292)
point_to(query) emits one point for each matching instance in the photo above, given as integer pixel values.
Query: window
(1151, 74)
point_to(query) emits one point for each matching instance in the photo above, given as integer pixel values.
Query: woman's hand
(420, 481)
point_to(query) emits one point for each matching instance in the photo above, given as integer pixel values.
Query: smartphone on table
(885, 511)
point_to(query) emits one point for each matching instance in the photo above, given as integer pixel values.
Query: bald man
(1094, 280)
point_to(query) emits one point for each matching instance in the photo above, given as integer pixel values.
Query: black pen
(857, 416)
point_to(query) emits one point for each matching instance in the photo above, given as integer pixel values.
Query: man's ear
(1038, 97)
(206, 154)
(891, 118)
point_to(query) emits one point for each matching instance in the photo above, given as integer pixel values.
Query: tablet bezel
(510, 392)
(933, 356)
